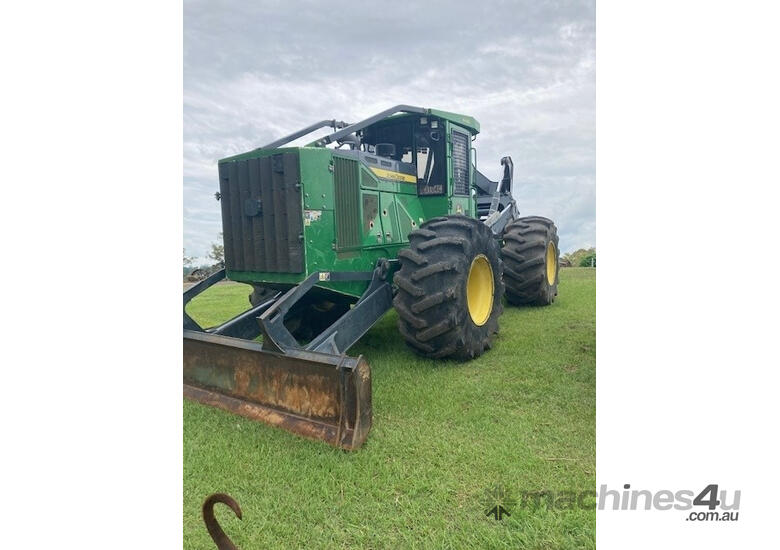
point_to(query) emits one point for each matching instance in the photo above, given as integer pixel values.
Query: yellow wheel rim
(552, 263)
(479, 290)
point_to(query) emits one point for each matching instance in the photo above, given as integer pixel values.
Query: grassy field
(522, 416)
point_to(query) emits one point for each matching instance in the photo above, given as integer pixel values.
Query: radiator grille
(460, 163)
(346, 180)
(262, 218)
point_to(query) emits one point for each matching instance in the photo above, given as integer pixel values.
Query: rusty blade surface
(315, 395)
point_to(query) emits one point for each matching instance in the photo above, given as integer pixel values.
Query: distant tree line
(217, 254)
(584, 257)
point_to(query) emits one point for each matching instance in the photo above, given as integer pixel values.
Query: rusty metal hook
(217, 534)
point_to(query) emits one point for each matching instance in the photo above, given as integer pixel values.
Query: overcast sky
(254, 71)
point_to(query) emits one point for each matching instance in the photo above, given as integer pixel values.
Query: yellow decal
(390, 175)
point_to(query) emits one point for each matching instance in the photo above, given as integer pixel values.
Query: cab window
(431, 162)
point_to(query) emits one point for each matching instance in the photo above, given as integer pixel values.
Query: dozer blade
(316, 395)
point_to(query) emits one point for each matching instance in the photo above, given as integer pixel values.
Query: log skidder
(530, 253)
(450, 288)
(322, 232)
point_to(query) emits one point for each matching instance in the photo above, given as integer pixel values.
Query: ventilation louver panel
(346, 181)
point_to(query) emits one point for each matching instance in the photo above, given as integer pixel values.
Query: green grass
(522, 416)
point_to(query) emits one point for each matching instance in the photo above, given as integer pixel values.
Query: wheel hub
(479, 290)
(551, 263)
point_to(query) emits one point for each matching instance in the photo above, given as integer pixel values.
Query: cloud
(257, 70)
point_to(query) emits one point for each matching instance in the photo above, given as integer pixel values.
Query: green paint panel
(389, 218)
(372, 223)
(404, 221)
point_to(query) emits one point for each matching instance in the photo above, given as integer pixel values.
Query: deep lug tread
(438, 329)
(437, 263)
(407, 286)
(524, 252)
(412, 341)
(413, 256)
(514, 237)
(433, 300)
(522, 247)
(508, 252)
(443, 241)
(424, 233)
(403, 312)
(453, 223)
(512, 274)
(541, 231)
(534, 262)
(535, 280)
(432, 269)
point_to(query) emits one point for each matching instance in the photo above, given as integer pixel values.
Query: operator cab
(408, 145)
(416, 143)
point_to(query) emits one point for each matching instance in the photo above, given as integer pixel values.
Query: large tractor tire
(530, 253)
(450, 288)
